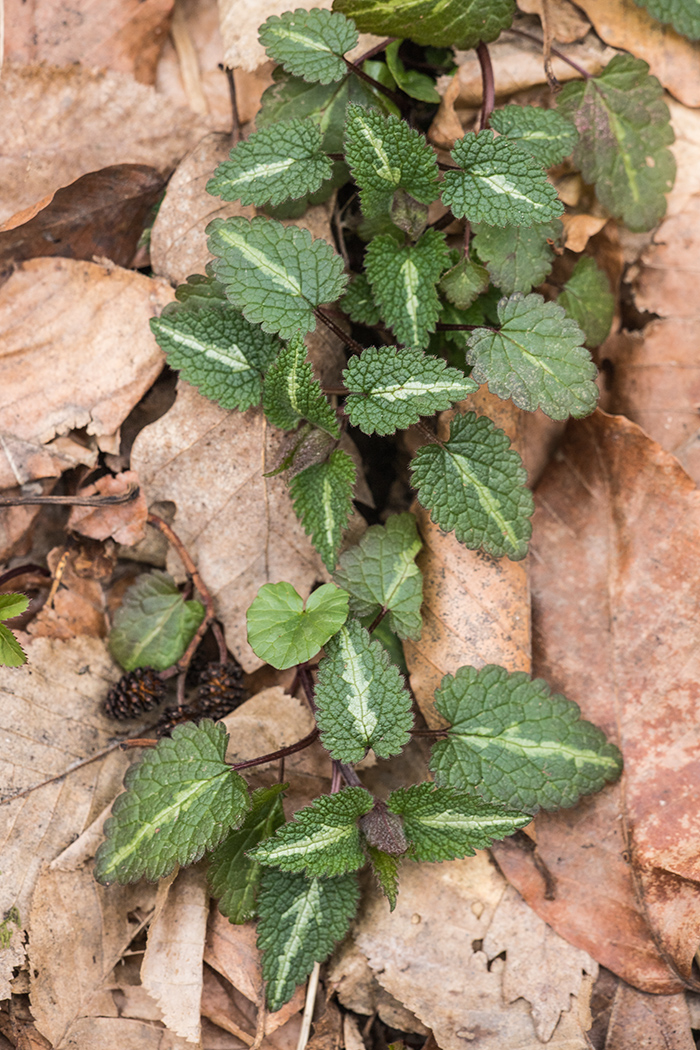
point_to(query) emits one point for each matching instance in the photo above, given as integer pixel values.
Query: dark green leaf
(517, 257)
(154, 624)
(322, 495)
(464, 283)
(309, 44)
(543, 133)
(412, 83)
(443, 23)
(386, 871)
(358, 302)
(587, 299)
(403, 280)
(292, 394)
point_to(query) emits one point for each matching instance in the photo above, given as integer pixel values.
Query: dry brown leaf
(357, 988)
(578, 229)
(566, 22)
(78, 607)
(671, 57)
(124, 523)
(16, 523)
(640, 1020)
(270, 720)
(615, 609)
(239, 526)
(328, 1029)
(60, 124)
(102, 213)
(85, 326)
(352, 1037)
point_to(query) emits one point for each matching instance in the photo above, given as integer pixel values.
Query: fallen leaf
(124, 523)
(85, 326)
(78, 606)
(269, 720)
(566, 22)
(578, 229)
(328, 1029)
(352, 1037)
(617, 523)
(357, 988)
(239, 526)
(639, 1019)
(16, 523)
(102, 213)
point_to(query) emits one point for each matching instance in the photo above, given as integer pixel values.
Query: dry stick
(70, 501)
(560, 54)
(309, 1007)
(329, 323)
(235, 116)
(21, 570)
(262, 1017)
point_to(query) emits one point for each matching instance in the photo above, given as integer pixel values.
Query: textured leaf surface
(11, 652)
(683, 15)
(499, 184)
(309, 44)
(385, 154)
(624, 130)
(536, 359)
(322, 497)
(386, 871)
(358, 302)
(233, 877)
(291, 394)
(587, 299)
(517, 257)
(403, 279)
(154, 624)
(412, 83)
(322, 839)
(276, 275)
(361, 698)
(300, 922)
(380, 572)
(391, 388)
(443, 23)
(283, 633)
(201, 291)
(216, 349)
(180, 800)
(464, 283)
(514, 741)
(475, 484)
(286, 160)
(543, 133)
(443, 824)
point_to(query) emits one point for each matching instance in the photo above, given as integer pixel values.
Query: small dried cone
(175, 716)
(220, 690)
(135, 692)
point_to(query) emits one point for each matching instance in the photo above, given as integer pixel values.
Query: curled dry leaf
(578, 229)
(657, 1020)
(125, 523)
(566, 23)
(615, 607)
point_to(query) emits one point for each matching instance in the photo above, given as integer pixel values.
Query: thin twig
(560, 54)
(330, 323)
(218, 632)
(21, 570)
(336, 778)
(235, 116)
(291, 749)
(307, 684)
(311, 990)
(71, 501)
(464, 327)
(262, 1017)
(488, 88)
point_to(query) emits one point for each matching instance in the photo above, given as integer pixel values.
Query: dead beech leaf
(672, 58)
(359, 990)
(102, 213)
(640, 1019)
(566, 23)
(578, 229)
(85, 326)
(239, 526)
(60, 124)
(615, 609)
(124, 523)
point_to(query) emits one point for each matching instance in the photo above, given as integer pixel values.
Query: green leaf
(322, 839)
(385, 868)
(301, 920)
(273, 164)
(11, 652)
(385, 154)
(515, 742)
(361, 698)
(216, 349)
(390, 389)
(380, 572)
(443, 23)
(587, 300)
(683, 15)
(12, 605)
(283, 633)
(154, 624)
(322, 496)
(200, 292)
(275, 275)
(543, 133)
(442, 824)
(180, 800)
(536, 359)
(624, 128)
(291, 394)
(464, 283)
(475, 484)
(499, 184)
(412, 83)
(358, 302)
(403, 279)
(309, 44)
(233, 877)
(517, 257)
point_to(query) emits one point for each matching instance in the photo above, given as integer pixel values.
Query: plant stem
(560, 54)
(21, 570)
(387, 92)
(377, 619)
(375, 50)
(336, 778)
(291, 749)
(218, 633)
(428, 732)
(350, 776)
(464, 327)
(235, 116)
(337, 330)
(488, 85)
(307, 685)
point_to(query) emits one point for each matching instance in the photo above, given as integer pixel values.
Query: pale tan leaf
(566, 22)
(124, 523)
(639, 1019)
(359, 990)
(578, 229)
(269, 720)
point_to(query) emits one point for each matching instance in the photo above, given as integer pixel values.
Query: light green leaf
(301, 920)
(683, 15)
(515, 742)
(180, 800)
(587, 300)
(322, 839)
(291, 394)
(380, 572)
(283, 633)
(309, 44)
(275, 275)
(233, 877)
(154, 624)
(499, 184)
(536, 359)
(517, 257)
(358, 302)
(12, 605)
(385, 868)
(443, 824)
(11, 652)
(403, 280)
(390, 389)
(361, 698)
(385, 154)
(464, 283)
(543, 133)
(624, 130)
(275, 163)
(443, 23)
(475, 484)
(412, 83)
(322, 496)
